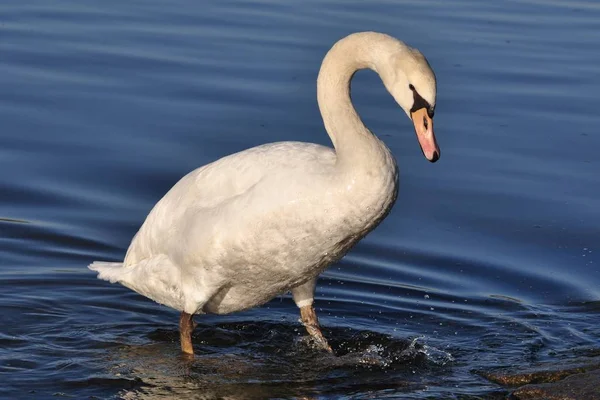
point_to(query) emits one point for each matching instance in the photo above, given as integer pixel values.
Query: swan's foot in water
(311, 322)
(186, 327)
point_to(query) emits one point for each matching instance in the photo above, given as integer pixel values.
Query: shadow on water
(262, 359)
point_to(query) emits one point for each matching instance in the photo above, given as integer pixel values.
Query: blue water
(490, 257)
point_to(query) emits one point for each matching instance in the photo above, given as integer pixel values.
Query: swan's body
(235, 233)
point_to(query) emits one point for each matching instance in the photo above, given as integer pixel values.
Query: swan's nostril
(436, 156)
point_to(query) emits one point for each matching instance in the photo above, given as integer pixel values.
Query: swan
(235, 233)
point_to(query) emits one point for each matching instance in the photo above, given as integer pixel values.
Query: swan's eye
(425, 123)
(411, 87)
(431, 112)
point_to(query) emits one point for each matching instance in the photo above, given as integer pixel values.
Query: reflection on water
(260, 360)
(488, 260)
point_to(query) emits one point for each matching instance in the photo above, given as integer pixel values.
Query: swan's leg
(197, 292)
(311, 322)
(304, 297)
(186, 327)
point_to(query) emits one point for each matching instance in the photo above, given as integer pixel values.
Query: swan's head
(411, 82)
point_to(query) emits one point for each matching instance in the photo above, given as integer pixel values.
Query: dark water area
(489, 259)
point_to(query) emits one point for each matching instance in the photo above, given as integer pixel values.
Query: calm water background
(490, 257)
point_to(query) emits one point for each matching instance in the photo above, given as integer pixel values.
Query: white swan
(235, 233)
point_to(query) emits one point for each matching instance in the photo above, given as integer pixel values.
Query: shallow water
(489, 258)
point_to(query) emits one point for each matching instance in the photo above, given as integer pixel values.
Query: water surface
(489, 258)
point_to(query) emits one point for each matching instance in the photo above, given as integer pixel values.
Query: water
(490, 258)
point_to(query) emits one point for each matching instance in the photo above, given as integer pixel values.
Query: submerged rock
(584, 386)
(575, 380)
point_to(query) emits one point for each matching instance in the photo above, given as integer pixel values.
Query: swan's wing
(209, 199)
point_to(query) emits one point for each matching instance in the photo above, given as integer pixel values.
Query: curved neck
(353, 142)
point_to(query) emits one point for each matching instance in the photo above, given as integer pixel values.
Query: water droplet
(426, 296)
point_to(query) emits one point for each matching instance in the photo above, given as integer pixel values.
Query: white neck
(354, 143)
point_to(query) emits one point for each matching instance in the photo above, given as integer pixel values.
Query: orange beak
(424, 129)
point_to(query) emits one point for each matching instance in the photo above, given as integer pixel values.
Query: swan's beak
(424, 128)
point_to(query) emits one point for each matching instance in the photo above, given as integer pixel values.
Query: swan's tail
(155, 277)
(108, 271)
